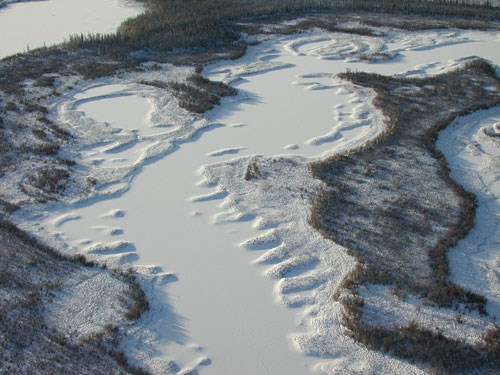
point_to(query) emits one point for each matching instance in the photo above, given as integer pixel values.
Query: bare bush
(252, 171)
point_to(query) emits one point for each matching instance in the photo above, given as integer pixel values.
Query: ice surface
(25, 26)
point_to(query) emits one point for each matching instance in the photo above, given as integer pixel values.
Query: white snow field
(34, 24)
(474, 160)
(242, 284)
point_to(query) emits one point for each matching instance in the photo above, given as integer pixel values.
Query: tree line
(186, 25)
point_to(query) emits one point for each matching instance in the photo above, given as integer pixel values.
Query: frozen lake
(222, 315)
(34, 24)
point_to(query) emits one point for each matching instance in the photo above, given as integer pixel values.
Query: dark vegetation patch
(29, 273)
(423, 346)
(8, 207)
(134, 299)
(49, 180)
(33, 138)
(159, 84)
(392, 202)
(334, 22)
(92, 69)
(252, 172)
(189, 25)
(199, 95)
(45, 81)
(33, 65)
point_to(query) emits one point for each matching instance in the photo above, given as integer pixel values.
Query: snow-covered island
(181, 212)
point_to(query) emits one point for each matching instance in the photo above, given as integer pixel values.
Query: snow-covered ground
(474, 160)
(29, 25)
(242, 284)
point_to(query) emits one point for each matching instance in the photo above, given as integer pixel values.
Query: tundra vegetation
(394, 206)
(30, 274)
(197, 32)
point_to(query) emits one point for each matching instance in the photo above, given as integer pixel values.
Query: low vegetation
(426, 347)
(26, 130)
(31, 275)
(199, 95)
(400, 211)
(49, 180)
(134, 299)
(252, 171)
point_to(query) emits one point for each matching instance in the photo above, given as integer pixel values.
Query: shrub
(45, 81)
(199, 94)
(50, 180)
(134, 298)
(252, 171)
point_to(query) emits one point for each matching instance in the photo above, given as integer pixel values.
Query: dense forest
(180, 25)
